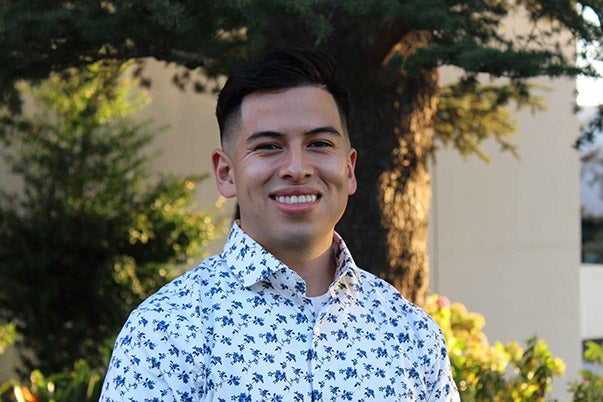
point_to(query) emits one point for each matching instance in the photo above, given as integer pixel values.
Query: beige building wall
(191, 134)
(191, 130)
(505, 236)
(591, 302)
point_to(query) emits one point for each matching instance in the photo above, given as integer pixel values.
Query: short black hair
(279, 69)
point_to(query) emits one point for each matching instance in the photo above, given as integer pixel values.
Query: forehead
(294, 108)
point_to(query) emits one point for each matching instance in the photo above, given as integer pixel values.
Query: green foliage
(43, 36)
(91, 236)
(498, 372)
(591, 386)
(594, 352)
(469, 113)
(8, 336)
(213, 37)
(590, 130)
(82, 384)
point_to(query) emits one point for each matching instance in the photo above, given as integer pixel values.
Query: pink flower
(443, 302)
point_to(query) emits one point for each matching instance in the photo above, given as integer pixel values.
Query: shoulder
(156, 347)
(178, 299)
(386, 299)
(172, 315)
(421, 337)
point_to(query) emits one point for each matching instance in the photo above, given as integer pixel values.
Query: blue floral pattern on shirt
(239, 328)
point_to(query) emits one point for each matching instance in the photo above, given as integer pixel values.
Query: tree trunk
(404, 190)
(385, 225)
(387, 220)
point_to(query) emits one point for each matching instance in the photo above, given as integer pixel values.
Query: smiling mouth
(296, 199)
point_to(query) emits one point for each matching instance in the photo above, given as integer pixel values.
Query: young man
(283, 313)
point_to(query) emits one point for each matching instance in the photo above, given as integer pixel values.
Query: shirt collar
(252, 263)
(345, 264)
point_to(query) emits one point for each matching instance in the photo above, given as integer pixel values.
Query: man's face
(290, 165)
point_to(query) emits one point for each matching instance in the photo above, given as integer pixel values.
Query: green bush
(8, 336)
(498, 372)
(482, 371)
(82, 384)
(591, 387)
(91, 235)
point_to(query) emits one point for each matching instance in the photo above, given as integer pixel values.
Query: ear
(352, 184)
(224, 173)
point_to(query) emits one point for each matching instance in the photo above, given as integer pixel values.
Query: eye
(319, 144)
(266, 147)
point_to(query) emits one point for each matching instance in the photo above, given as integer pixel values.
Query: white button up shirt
(240, 328)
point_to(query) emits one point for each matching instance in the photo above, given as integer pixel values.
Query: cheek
(336, 172)
(252, 173)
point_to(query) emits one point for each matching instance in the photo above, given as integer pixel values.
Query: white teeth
(296, 199)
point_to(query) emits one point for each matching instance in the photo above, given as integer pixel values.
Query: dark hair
(280, 69)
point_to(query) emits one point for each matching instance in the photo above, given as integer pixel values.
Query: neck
(316, 268)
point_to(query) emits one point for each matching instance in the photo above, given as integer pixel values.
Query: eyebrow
(275, 134)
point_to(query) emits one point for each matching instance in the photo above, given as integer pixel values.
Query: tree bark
(391, 121)
(386, 225)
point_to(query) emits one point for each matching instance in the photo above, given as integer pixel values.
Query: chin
(302, 235)
(296, 237)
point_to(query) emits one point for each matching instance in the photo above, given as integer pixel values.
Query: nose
(296, 165)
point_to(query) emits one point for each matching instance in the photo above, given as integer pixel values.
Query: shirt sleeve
(439, 378)
(144, 365)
